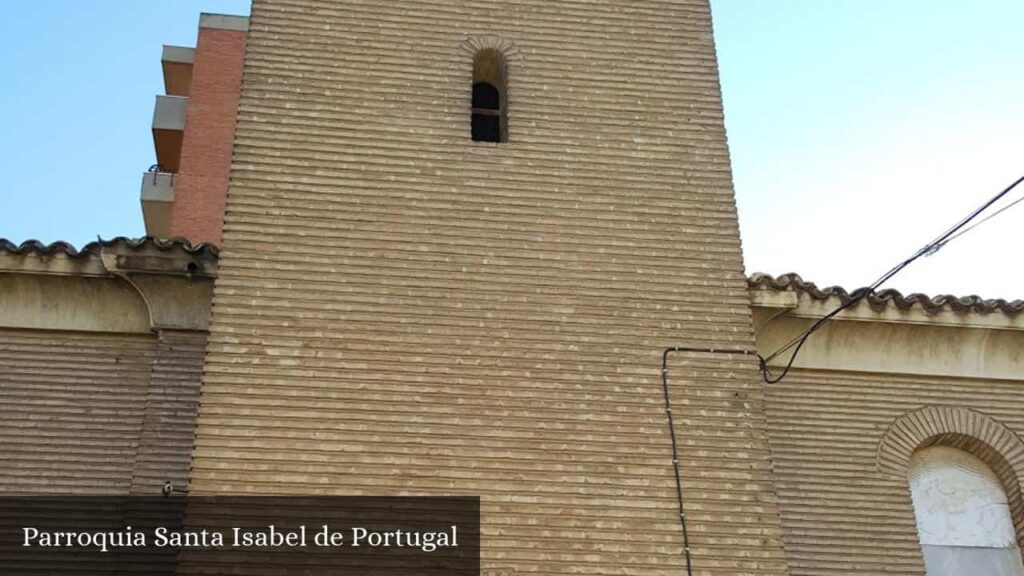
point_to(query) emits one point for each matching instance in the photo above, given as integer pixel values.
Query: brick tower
(458, 238)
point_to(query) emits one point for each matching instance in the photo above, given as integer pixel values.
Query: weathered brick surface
(70, 410)
(167, 432)
(93, 413)
(400, 310)
(843, 493)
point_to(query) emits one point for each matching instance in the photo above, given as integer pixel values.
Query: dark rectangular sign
(250, 535)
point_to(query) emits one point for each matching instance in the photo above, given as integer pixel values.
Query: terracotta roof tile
(882, 299)
(93, 248)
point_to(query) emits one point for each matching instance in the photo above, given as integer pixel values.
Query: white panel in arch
(963, 517)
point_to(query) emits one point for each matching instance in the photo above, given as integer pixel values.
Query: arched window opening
(489, 97)
(963, 517)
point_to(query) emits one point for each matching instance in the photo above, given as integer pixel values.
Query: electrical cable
(982, 221)
(858, 295)
(672, 435)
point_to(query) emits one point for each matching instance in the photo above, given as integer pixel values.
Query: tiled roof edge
(93, 248)
(882, 299)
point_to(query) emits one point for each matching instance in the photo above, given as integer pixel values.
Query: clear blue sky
(80, 78)
(859, 129)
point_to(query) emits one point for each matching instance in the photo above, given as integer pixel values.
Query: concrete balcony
(157, 197)
(177, 62)
(169, 130)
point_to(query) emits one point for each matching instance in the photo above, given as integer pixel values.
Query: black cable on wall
(675, 443)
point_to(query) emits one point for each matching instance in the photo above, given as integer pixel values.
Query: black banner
(249, 535)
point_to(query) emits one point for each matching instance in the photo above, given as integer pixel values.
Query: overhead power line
(958, 229)
(982, 221)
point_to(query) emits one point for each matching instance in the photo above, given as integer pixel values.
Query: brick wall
(167, 431)
(842, 512)
(202, 183)
(71, 409)
(94, 413)
(400, 310)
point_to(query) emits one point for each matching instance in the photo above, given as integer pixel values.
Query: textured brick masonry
(400, 310)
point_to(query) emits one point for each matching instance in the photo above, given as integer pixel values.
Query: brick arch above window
(492, 58)
(508, 49)
(969, 430)
(962, 428)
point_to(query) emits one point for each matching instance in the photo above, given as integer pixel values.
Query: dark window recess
(486, 96)
(486, 128)
(486, 113)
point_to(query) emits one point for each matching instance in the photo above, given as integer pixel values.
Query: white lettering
(325, 537)
(102, 540)
(201, 539)
(425, 541)
(272, 537)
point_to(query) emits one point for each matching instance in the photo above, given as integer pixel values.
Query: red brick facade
(202, 184)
